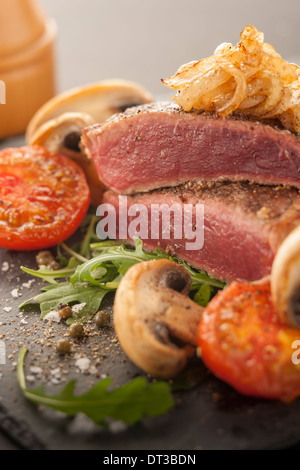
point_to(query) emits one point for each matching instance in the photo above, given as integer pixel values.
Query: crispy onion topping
(250, 78)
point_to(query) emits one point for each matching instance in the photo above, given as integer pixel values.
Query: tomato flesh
(43, 198)
(243, 343)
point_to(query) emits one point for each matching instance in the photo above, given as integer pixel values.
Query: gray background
(145, 40)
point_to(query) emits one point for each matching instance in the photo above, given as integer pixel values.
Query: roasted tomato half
(243, 343)
(43, 198)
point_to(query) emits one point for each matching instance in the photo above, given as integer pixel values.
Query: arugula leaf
(91, 278)
(69, 294)
(50, 275)
(200, 277)
(121, 257)
(129, 403)
(203, 295)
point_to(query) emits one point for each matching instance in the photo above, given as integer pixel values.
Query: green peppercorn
(44, 258)
(63, 346)
(64, 311)
(76, 330)
(54, 265)
(102, 319)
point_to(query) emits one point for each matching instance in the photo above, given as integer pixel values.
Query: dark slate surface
(210, 416)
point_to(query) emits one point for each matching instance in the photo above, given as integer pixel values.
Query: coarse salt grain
(83, 364)
(5, 266)
(7, 309)
(55, 381)
(76, 308)
(52, 316)
(15, 293)
(36, 370)
(30, 378)
(93, 370)
(28, 284)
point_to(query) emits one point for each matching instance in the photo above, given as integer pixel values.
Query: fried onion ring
(250, 79)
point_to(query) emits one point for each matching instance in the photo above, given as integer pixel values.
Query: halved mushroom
(155, 321)
(100, 100)
(62, 135)
(59, 123)
(285, 279)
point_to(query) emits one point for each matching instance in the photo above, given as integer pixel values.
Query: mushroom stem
(285, 280)
(155, 321)
(186, 330)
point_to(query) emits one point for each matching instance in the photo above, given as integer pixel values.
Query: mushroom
(62, 135)
(59, 123)
(155, 321)
(100, 100)
(285, 280)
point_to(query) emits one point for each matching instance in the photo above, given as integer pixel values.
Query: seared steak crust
(159, 145)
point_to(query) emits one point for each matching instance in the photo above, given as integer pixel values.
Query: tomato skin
(244, 344)
(43, 198)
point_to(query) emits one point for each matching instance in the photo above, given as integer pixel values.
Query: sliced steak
(158, 145)
(244, 224)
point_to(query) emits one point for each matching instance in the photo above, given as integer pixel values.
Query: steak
(158, 145)
(244, 224)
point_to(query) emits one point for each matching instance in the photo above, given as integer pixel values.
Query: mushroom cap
(58, 124)
(100, 100)
(51, 134)
(61, 135)
(155, 321)
(285, 279)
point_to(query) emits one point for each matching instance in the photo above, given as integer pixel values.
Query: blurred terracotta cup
(26, 63)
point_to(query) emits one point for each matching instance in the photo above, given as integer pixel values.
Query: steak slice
(158, 145)
(244, 224)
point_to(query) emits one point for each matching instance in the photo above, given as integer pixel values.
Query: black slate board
(210, 416)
